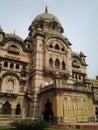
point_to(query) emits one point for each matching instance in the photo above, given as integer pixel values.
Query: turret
(1, 34)
(82, 56)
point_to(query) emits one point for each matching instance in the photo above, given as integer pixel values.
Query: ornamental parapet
(63, 88)
(78, 88)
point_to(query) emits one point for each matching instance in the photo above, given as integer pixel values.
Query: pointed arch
(50, 62)
(11, 65)
(17, 66)
(5, 64)
(18, 109)
(6, 108)
(57, 47)
(10, 85)
(51, 46)
(62, 49)
(57, 63)
(63, 65)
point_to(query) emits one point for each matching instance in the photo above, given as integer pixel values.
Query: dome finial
(46, 10)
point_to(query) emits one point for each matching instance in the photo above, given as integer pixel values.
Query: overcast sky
(79, 19)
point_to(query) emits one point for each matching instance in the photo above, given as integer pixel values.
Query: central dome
(47, 23)
(46, 17)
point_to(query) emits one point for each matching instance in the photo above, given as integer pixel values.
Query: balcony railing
(55, 70)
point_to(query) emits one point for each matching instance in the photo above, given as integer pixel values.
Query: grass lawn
(49, 129)
(4, 128)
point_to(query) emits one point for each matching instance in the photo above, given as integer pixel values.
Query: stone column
(13, 113)
(0, 106)
(23, 113)
(57, 118)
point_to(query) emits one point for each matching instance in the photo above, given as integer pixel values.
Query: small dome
(1, 30)
(13, 36)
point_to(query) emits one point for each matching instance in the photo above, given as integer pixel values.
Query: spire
(46, 10)
(14, 32)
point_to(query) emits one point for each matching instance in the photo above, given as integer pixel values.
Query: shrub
(22, 125)
(30, 125)
(40, 125)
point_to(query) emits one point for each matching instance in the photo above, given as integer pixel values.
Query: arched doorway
(18, 110)
(48, 113)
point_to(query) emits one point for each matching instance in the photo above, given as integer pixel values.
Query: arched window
(51, 62)
(10, 86)
(28, 46)
(13, 49)
(79, 77)
(50, 46)
(5, 64)
(63, 65)
(57, 47)
(18, 109)
(62, 49)
(6, 108)
(13, 46)
(73, 75)
(11, 65)
(17, 66)
(76, 77)
(57, 63)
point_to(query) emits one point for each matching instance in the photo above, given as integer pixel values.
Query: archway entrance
(48, 113)
(18, 109)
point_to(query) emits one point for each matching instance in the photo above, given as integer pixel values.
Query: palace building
(42, 77)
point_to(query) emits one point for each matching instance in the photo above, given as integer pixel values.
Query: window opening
(51, 63)
(5, 64)
(6, 108)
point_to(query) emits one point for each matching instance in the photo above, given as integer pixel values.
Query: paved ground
(89, 126)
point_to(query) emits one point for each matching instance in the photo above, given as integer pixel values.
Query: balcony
(55, 71)
(8, 94)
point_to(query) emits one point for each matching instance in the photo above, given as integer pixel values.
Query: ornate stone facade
(43, 68)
